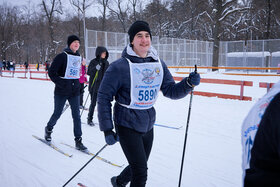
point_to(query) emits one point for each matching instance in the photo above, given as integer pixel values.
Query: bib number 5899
(147, 95)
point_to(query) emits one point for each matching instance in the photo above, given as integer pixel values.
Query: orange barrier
(210, 67)
(13, 74)
(242, 74)
(266, 85)
(25, 72)
(251, 74)
(237, 68)
(9, 76)
(221, 81)
(208, 94)
(39, 72)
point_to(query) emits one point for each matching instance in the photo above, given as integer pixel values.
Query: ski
(177, 128)
(92, 154)
(52, 146)
(81, 185)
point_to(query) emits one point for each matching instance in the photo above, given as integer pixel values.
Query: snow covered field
(213, 155)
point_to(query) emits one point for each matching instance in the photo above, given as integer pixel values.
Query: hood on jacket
(128, 51)
(100, 50)
(69, 51)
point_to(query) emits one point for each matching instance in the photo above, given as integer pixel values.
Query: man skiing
(134, 82)
(65, 73)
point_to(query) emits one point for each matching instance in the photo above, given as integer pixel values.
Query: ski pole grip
(195, 68)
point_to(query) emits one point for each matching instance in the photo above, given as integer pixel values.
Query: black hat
(136, 27)
(71, 39)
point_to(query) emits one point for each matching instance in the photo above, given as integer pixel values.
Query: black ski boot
(48, 133)
(79, 144)
(115, 183)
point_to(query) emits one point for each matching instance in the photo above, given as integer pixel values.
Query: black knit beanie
(136, 27)
(71, 39)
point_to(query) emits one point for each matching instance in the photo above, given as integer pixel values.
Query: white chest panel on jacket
(73, 67)
(146, 80)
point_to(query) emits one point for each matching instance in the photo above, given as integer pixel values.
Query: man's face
(75, 45)
(103, 55)
(141, 43)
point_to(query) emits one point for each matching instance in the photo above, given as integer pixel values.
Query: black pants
(59, 102)
(93, 97)
(137, 148)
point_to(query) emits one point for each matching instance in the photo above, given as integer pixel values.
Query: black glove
(193, 79)
(111, 137)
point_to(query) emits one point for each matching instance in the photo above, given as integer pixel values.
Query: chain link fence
(183, 52)
(252, 53)
(174, 52)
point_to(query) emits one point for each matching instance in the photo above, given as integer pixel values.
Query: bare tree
(157, 14)
(121, 12)
(104, 4)
(266, 18)
(221, 10)
(51, 8)
(134, 4)
(11, 39)
(82, 5)
(186, 19)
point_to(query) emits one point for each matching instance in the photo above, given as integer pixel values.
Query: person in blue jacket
(134, 82)
(65, 73)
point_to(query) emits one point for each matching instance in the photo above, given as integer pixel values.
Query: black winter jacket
(68, 87)
(100, 65)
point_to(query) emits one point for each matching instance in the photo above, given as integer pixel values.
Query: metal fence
(174, 52)
(251, 53)
(183, 52)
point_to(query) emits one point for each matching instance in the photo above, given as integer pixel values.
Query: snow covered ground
(213, 154)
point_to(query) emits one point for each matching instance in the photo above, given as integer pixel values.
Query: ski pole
(85, 165)
(96, 75)
(186, 133)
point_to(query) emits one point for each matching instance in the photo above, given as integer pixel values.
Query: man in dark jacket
(96, 70)
(134, 82)
(65, 73)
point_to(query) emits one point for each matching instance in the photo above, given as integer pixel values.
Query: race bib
(146, 79)
(73, 67)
